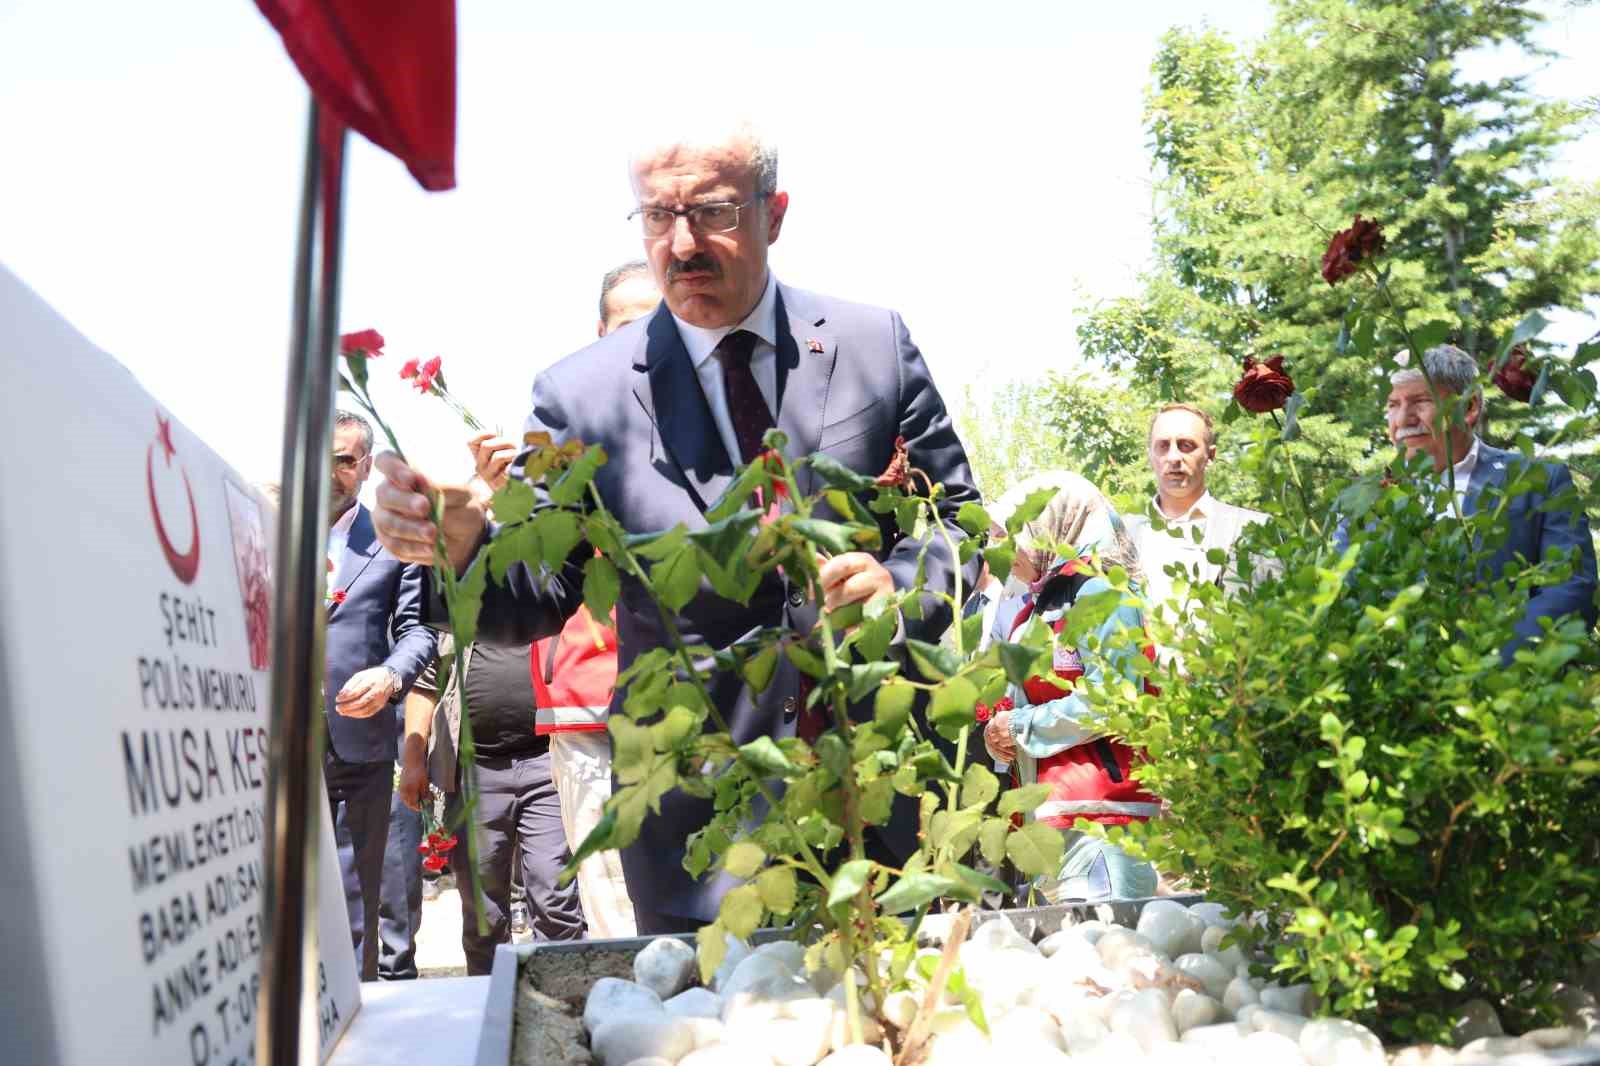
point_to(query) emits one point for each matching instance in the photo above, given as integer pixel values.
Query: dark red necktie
(747, 408)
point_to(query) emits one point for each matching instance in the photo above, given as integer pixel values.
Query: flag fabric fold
(385, 69)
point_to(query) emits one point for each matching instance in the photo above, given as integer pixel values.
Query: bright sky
(981, 168)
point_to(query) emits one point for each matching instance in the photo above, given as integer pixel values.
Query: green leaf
(778, 890)
(1036, 849)
(951, 711)
(992, 840)
(1020, 662)
(711, 942)
(1529, 328)
(1540, 386)
(849, 880)
(974, 519)
(759, 668)
(676, 578)
(743, 859)
(737, 496)
(740, 912)
(977, 880)
(1291, 410)
(559, 534)
(601, 586)
(875, 634)
(513, 502)
(1428, 336)
(1029, 509)
(657, 546)
(1022, 800)
(891, 707)
(868, 678)
(602, 531)
(836, 538)
(727, 541)
(978, 786)
(513, 545)
(574, 482)
(631, 749)
(999, 557)
(805, 660)
(836, 475)
(765, 755)
(1366, 329)
(934, 661)
(913, 890)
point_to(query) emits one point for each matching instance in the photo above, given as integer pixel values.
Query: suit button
(791, 707)
(796, 598)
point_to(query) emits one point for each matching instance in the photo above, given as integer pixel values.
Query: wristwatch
(394, 681)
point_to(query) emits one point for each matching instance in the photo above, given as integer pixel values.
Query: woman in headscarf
(1049, 734)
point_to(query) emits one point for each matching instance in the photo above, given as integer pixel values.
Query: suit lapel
(671, 396)
(803, 375)
(360, 549)
(1490, 471)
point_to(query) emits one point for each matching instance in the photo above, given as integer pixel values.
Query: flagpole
(289, 961)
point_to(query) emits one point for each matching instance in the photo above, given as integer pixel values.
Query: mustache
(1412, 431)
(698, 264)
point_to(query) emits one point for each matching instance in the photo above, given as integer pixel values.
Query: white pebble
(1092, 930)
(1475, 1018)
(1170, 928)
(1268, 1049)
(1071, 937)
(1555, 1037)
(1082, 1033)
(1336, 1042)
(858, 1055)
(1423, 1055)
(1211, 940)
(1121, 944)
(1276, 1021)
(1005, 975)
(1291, 999)
(1144, 1016)
(707, 1032)
(1239, 994)
(727, 1055)
(788, 952)
(761, 980)
(1578, 1006)
(653, 1060)
(622, 1040)
(1026, 1027)
(695, 1003)
(664, 966)
(1191, 1009)
(612, 997)
(737, 952)
(1489, 1048)
(1208, 971)
(994, 935)
(957, 1046)
(1213, 914)
(900, 1008)
(1216, 1037)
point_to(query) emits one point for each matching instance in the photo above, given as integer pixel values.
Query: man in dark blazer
(679, 399)
(1537, 522)
(376, 647)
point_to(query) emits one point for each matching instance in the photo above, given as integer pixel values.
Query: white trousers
(581, 765)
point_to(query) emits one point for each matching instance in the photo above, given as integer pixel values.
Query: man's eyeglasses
(347, 462)
(703, 218)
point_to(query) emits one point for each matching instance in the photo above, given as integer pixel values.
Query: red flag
(385, 69)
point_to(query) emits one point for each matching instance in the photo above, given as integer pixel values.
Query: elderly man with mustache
(1540, 523)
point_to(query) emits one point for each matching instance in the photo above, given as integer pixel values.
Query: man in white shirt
(1182, 444)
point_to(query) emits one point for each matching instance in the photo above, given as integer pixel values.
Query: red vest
(572, 678)
(1092, 781)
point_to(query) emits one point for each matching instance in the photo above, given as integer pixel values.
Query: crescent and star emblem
(187, 564)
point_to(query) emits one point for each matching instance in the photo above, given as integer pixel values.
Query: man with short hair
(679, 400)
(1182, 444)
(627, 294)
(1537, 527)
(376, 647)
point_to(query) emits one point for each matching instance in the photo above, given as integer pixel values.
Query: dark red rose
(898, 473)
(1264, 386)
(1516, 379)
(367, 344)
(982, 712)
(1363, 240)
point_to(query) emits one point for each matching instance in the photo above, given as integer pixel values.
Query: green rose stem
(461, 636)
(1294, 477)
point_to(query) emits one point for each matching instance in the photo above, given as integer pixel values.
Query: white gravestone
(135, 601)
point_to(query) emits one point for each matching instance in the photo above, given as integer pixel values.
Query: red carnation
(433, 863)
(983, 712)
(774, 467)
(426, 373)
(423, 849)
(1363, 240)
(435, 840)
(1004, 704)
(1515, 379)
(338, 595)
(447, 843)
(409, 370)
(1264, 386)
(367, 343)
(898, 472)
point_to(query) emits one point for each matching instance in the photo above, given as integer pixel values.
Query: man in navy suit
(678, 399)
(1534, 530)
(376, 647)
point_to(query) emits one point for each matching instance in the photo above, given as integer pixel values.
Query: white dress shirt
(338, 540)
(1159, 549)
(1463, 476)
(701, 344)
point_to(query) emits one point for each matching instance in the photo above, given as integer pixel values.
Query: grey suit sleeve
(934, 448)
(1560, 529)
(531, 606)
(414, 642)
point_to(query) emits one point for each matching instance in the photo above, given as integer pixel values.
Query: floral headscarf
(1078, 520)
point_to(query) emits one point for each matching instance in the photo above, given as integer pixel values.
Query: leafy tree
(1345, 107)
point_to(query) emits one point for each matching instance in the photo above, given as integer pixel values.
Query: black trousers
(358, 796)
(518, 826)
